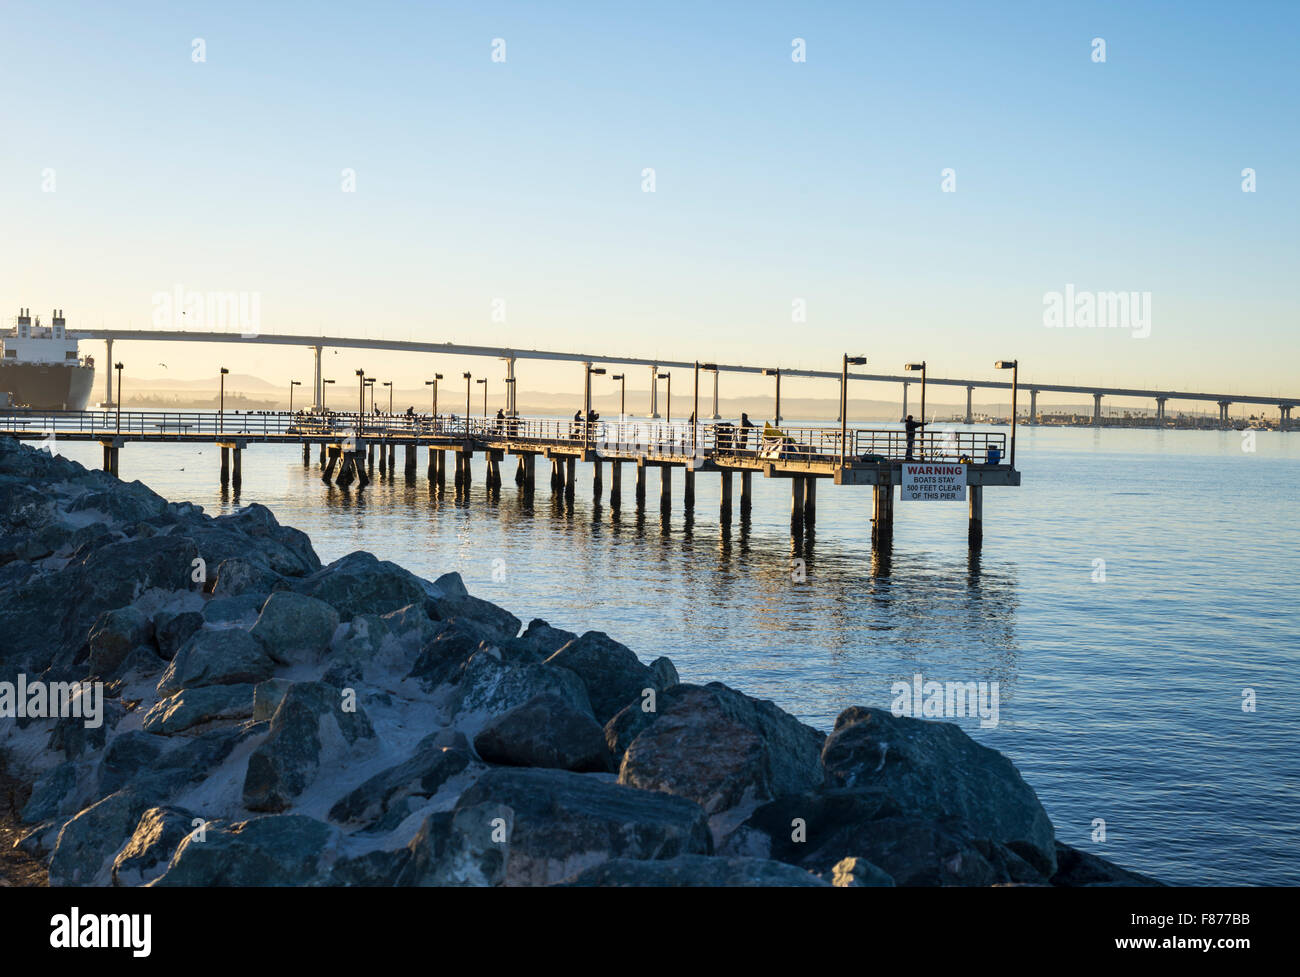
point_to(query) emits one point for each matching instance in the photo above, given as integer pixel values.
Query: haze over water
(1120, 699)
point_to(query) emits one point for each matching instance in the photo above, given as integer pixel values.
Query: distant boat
(40, 366)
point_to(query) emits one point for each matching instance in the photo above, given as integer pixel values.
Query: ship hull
(47, 386)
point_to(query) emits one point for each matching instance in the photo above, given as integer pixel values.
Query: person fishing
(912, 427)
(745, 425)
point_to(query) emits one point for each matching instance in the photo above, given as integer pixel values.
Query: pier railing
(624, 437)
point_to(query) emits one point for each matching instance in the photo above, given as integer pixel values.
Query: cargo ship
(40, 367)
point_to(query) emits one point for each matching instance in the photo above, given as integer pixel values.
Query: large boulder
(115, 635)
(278, 849)
(722, 749)
(420, 776)
(443, 657)
(295, 628)
(194, 707)
(566, 822)
(490, 686)
(545, 731)
(450, 601)
(310, 727)
(1075, 867)
(361, 584)
(611, 672)
(933, 770)
(465, 847)
(87, 843)
(226, 656)
(157, 835)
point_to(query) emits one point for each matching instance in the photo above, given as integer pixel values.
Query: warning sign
(928, 482)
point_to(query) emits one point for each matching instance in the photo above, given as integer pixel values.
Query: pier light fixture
(913, 367)
(775, 373)
(221, 403)
(118, 367)
(434, 384)
(322, 393)
(622, 393)
(510, 400)
(361, 404)
(669, 377)
(292, 384)
(370, 382)
(389, 385)
(468, 377)
(483, 380)
(1014, 367)
(844, 400)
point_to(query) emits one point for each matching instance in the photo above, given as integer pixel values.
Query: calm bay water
(1121, 699)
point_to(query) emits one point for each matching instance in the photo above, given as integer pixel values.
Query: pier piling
(746, 492)
(724, 509)
(797, 485)
(688, 488)
(810, 500)
(640, 485)
(882, 519)
(976, 496)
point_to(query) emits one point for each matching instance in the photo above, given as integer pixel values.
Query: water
(1121, 699)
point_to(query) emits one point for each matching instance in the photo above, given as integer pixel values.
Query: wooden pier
(348, 448)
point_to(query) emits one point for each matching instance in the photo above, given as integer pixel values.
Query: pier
(347, 448)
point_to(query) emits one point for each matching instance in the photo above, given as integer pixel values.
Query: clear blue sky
(776, 180)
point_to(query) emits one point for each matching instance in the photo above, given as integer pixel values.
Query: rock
(466, 847)
(54, 793)
(94, 836)
(191, 707)
(286, 550)
(267, 696)
(567, 822)
(443, 658)
(422, 775)
(236, 575)
(612, 674)
(294, 628)
(489, 685)
(309, 727)
(1075, 867)
(241, 609)
(173, 630)
(360, 584)
(663, 673)
(933, 769)
(374, 868)
(694, 870)
(278, 849)
(545, 731)
(156, 838)
(858, 873)
(538, 642)
(230, 656)
(721, 749)
(449, 601)
(115, 635)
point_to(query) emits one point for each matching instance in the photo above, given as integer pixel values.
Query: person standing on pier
(912, 426)
(745, 425)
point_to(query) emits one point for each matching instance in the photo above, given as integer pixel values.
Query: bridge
(511, 355)
(349, 442)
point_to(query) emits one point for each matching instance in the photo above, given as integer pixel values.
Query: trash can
(995, 456)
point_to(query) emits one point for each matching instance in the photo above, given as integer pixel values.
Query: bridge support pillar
(798, 486)
(969, 419)
(410, 463)
(654, 392)
(665, 487)
(746, 492)
(108, 376)
(688, 488)
(1160, 410)
(716, 415)
(640, 485)
(317, 387)
(1284, 417)
(615, 483)
(512, 404)
(724, 509)
(882, 519)
(1096, 410)
(1223, 413)
(810, 501)
(1033, 407)
(976, 497)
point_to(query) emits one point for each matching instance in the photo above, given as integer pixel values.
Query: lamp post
(776, 373)
(669, 377)
(510, 400)
(483, 380)
(586, 400)
(844, 400)
(370, 382)
(434, 384)
(919, 366)
(1014, 367)
(361, 403)
(322, 395)
(468, 377)
(695, 415)
(221, 403)
(292, 384)
(118, 367)
(389, 385)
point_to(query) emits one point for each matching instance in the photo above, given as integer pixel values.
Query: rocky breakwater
(234, 713)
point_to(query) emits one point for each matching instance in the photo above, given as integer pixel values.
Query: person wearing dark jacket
(912, 427)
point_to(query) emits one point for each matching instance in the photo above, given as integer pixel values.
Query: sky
(798, 208)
